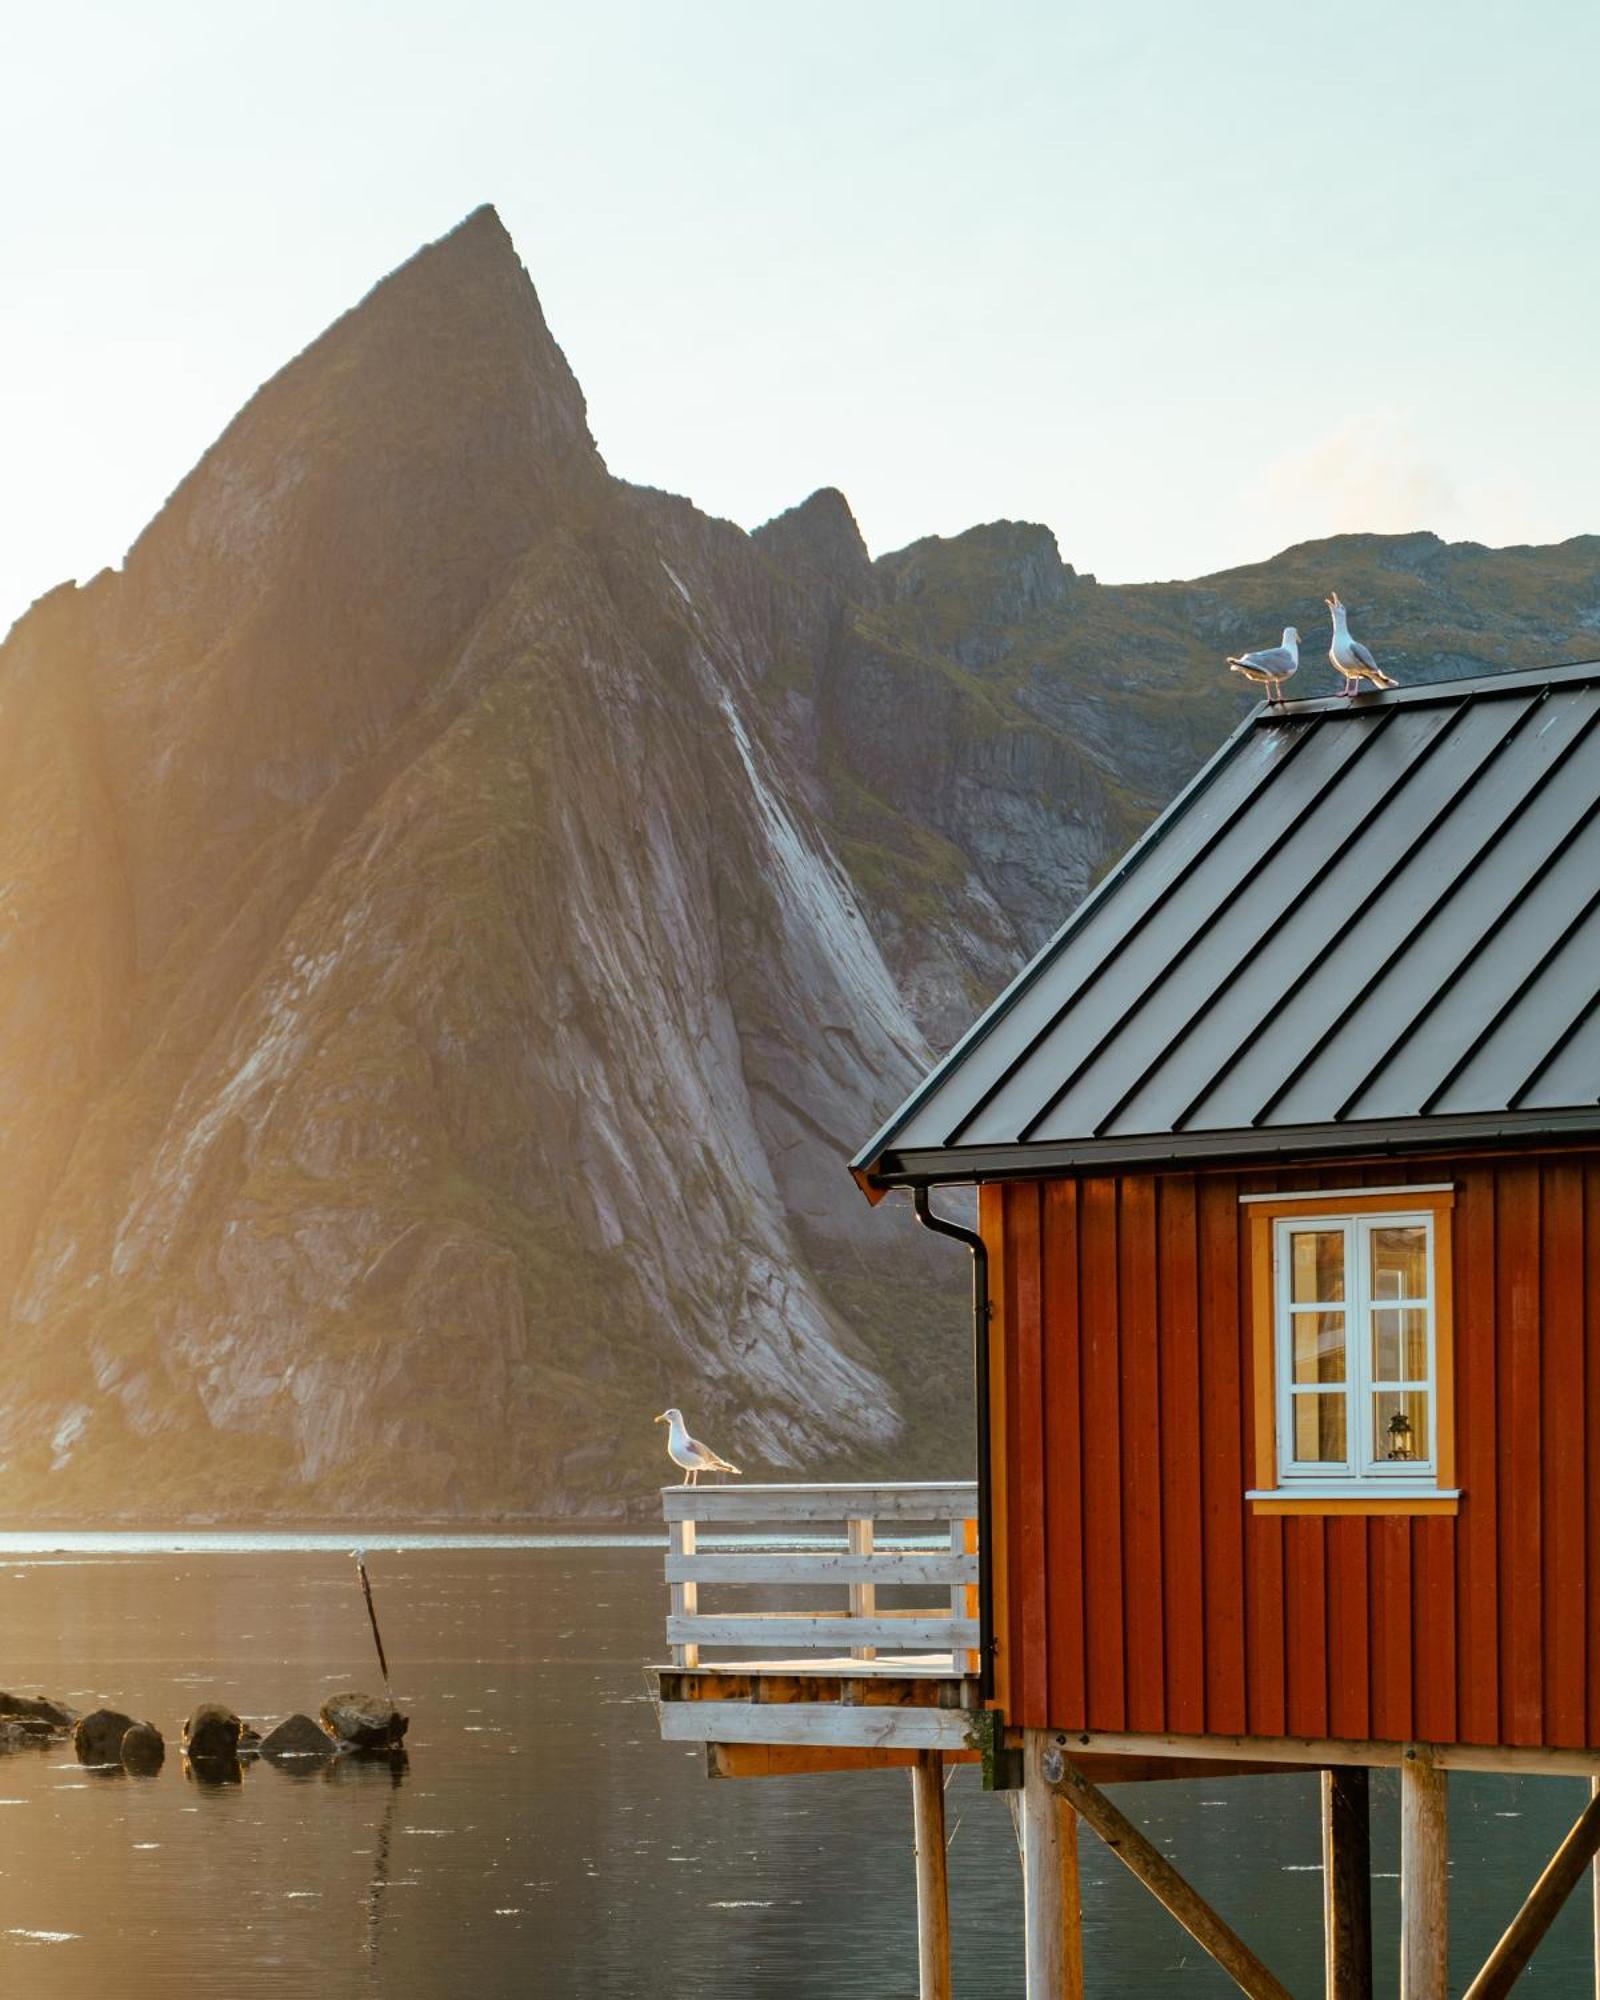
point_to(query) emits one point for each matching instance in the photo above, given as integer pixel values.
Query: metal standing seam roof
(1369, 923)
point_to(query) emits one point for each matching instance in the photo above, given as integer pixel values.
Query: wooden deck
(898, 1678)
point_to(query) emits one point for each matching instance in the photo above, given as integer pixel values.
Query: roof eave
(1044, 1159)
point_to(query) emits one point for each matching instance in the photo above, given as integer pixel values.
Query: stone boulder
(15, 1735)
(363, 1721)
(52, 1716)
(144, 1750)
(211, 1735)
(98, 1736)
(298, 1737)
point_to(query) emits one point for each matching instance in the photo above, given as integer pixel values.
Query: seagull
(1271, 667)
(689, 1452)
(1352, 658)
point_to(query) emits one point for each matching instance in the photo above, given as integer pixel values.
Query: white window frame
(1362, 1469)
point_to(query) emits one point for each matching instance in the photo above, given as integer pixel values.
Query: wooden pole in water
(1347, 1883)
(1052, 1911)
(933, 1887)
(1424, 1884)
(372, 1619)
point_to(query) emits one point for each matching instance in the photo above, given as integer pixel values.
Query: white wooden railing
(932, 1536)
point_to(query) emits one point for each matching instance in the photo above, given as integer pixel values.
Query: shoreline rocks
(353, 1724)
(97, 1736)
(211, 1735)
(144, 1750)
(363, 1722)
(298, 1739)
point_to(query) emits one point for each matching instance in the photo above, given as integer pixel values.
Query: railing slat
(827, 1566)
(936, 1500)
(916, 1631)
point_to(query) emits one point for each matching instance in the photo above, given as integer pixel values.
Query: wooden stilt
(1505, 1963)
(933, 1888)
(1347, 1883)
(1424, 1885)
(1052, 1911)
(1164, 1882)
(1594, 1793)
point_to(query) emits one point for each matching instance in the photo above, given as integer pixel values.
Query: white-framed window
(1356, 1339)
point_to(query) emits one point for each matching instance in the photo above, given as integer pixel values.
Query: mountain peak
(820, 537)
(446, 361)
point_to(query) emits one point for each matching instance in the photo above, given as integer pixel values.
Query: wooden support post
(1594, 1793)
(1347, 1883)
(1163, 1881)
(684, 1601)
(1424, 1884)
(1052, 1911)
(863, 1596)
(933, 1888)
(1505, 1963)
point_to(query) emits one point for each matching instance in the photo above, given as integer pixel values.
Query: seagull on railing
(689, 1452)
(1272, 666)
(1349, 655)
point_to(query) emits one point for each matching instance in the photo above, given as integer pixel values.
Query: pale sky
(1186, 282)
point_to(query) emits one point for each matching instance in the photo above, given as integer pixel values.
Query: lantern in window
(1399, 1435)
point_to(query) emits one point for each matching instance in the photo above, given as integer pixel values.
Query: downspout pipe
(982, 1313)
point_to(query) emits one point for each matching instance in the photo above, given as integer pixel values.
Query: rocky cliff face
(458, 911)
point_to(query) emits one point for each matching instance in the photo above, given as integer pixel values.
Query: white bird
(1349, 655)
(1271, 667)
(689, 1452)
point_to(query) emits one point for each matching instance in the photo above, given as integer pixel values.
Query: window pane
(1400, 1344)
(1318, 1347)
(1400, 1263)
(1319, 1428)
(1400, 1425)
(1316, 1265)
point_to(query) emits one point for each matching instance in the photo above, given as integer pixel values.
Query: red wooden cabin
(1288, 1158)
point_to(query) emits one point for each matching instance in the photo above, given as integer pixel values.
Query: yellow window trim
(1263, 1215)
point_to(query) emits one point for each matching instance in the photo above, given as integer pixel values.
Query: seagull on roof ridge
(1349, 655)
(1272, 666)
(689, 1452)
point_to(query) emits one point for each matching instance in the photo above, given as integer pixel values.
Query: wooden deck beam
(1158, 1875)
(1324, 1752)
(803, 1760)
(1575, 1854)
(844, 1724)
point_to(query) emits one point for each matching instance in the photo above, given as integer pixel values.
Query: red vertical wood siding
(1143, 1593)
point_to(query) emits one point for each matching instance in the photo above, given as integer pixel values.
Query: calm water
(543, 1841)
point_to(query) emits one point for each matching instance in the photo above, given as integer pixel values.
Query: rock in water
(212, 1733)
(55, 1715)
(364, 1722)
(98, 1736)
(297, 1736)
(15, 1735)
(144, 1750)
